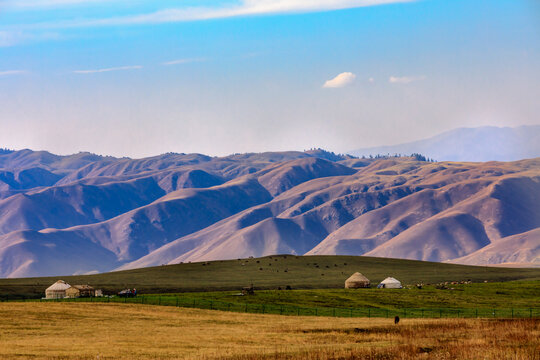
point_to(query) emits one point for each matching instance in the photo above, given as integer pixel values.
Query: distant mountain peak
(487, 143)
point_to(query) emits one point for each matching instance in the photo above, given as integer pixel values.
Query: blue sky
(139, 78)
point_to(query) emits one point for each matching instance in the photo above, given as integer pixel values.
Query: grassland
(298, 272)
(345, 303)
(117, 331)
(516, 294)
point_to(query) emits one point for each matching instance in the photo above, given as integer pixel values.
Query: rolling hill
(271, 272)
(85, 213)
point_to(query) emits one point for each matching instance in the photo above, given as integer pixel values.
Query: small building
(98, 293)
(357, 281)
(390, 283)
(57, 290)
(77, 291)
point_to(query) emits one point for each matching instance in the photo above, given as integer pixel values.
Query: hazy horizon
(219, 77)
(348, 152)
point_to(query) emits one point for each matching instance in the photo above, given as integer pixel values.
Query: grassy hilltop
(299, 272)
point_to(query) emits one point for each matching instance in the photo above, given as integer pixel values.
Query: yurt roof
(390, 280)
(59, 285)
(357, 277)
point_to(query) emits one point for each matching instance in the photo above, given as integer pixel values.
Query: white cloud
(12, 72)
(10, 38)
(405, 79)
(244, 8)
(16, 37)
(93, 71)
(341, 80)
(183, 61)
(371, 80)
(29, 4)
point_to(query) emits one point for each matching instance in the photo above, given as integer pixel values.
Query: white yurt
(57, 290)
(390, 283)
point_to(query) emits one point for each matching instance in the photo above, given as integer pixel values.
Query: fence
(507, 313)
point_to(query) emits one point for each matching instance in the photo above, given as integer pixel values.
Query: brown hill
(107, 213)
(429, 211)
(516, 249)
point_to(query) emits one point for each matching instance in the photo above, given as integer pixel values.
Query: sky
(140, 78)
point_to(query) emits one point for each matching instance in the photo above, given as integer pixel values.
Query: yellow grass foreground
(118, 331)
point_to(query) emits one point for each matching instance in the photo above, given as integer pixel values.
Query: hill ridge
(123, 213)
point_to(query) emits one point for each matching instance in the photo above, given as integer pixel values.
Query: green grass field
(299, 272)
(516, 294)
(513, 299)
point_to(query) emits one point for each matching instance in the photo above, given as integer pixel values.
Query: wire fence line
(499, 313)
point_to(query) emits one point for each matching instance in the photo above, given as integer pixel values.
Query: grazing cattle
(396, 320)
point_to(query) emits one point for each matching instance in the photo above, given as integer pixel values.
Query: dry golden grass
(117, 331)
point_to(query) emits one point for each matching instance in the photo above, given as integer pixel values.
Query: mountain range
(487, 143)
(85, 213)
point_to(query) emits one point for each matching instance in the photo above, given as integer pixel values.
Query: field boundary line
(291, 310)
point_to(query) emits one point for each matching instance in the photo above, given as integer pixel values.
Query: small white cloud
(120, 68)
(52, 3)
(405, 79)
(12, 72)
(371, 80)
(183, 61)
(12, 37)
(341, 80)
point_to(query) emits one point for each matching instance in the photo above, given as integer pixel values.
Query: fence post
(530, 313)
(334, 312)
(493, 312)
(229, 307)
(440, 313)
(281, 310)
(368, 312)
(404, 313)
(263, 308)
(350, 313)
(211, 305)
(387, 313)
(177, 301)
(476, 312)
(422, 313)
(512, 313)
(298, 311)
(316, 311)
